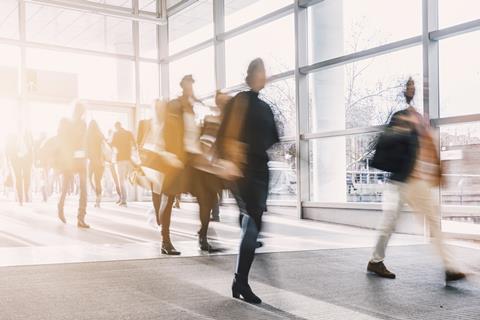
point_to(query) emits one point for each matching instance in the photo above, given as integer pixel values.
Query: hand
(229, 170)
(172, 160)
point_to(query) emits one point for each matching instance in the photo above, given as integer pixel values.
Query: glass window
(148, 40)
(241, 12)
(76, 29)
(149, 82)
(281, 96)
(283, 175)
(340, 170)
(337, 28)
(118, 3)
(460, 156)
(363, 93)
(190, 26)
(9, 71)
(277, 52)
(452, 12)
(93, 77)
(200, 65)
(147, 5)
(9, 19)
(459, 75)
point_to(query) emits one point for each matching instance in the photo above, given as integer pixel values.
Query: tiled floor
(33, 235)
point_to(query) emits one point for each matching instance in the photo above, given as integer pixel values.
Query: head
(256, 75)
(79, 111)
(93, 127)
(118, 126)
(409, 91)
(159, 109)
(187, 85)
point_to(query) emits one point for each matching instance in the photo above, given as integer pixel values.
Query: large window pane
(200, 65)
(453, 12)
(148, 40)
(94, 77)
(277, 52)
(148, 5)
(283, 176)
(363, 93)
(281, 96)
(460, 192)
(76, 29)
(9, 18)
(239, 12)
(190, 26)
(149, 82)
(342, 27)
(459, 75)
(340, 171)
(9, 71)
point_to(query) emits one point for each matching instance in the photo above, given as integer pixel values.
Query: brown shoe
(82, 224)
(454, 276)
(380, 270)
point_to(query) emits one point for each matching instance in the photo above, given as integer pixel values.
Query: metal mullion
(361, 55)
(189, 51)
(39, 45)
(302, 107)
(98, 9)
(431, 85)
(455, 120)
(182, 5)
(163, 49)
(308, 3)
(23, 60)
(219, 28)
(455, 30)
(149, 60)
(273, 16)
(340, 133)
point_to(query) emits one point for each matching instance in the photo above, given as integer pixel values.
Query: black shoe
(215, 219)
(204, 245)
(380, 270)
(240, 287)
(259, 244)
(169, 249)
(454, 276)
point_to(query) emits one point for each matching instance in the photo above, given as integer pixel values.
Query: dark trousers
(96, 172)
(250, 230)
(68, 178)
(22, 170)
(164, 217)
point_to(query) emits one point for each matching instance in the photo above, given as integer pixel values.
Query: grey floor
(306, 270)
(323, 284)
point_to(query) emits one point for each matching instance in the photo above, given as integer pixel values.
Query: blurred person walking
(248, 130)
(124, 143)
(19, 152)
(407, 149)
(182, 138)
(72, 161)
(96, 159)
(157, 165)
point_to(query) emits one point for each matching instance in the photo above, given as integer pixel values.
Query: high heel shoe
(169, 249)
(82, 224)
(204, 245)
(240, 287)
(61, 215)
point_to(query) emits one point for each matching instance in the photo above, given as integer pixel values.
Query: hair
(93, 131)
(410, 82)
(253, 67)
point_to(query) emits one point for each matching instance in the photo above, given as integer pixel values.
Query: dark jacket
(396, 149)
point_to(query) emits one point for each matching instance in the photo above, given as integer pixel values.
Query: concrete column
(328, 108)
